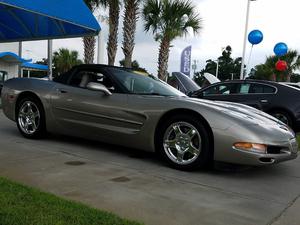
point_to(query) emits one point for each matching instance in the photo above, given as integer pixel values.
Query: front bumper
(284, 151)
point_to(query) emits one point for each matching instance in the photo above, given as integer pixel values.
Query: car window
(81, 79)
(269, 89)
(244, 89)
(142, 83)
(221, 89)
(256, 88)
(261, 89)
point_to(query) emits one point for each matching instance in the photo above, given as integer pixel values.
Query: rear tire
(183, 142)
(30, 118)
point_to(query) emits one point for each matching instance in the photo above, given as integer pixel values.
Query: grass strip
(22, 205)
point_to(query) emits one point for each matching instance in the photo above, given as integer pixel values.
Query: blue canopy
(25, 20)
(35, 66)
(12, 58)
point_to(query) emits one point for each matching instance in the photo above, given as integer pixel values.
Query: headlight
(251, 147)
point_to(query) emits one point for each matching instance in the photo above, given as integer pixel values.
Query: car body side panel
(92, 114)
(261, 101)
(14, 87)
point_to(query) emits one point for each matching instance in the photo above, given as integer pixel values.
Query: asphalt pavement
(137, 185)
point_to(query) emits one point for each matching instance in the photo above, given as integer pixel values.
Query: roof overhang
(34, 66)
(10, 57)
(25, 20)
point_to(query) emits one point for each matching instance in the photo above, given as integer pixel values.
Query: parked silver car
(123, 107)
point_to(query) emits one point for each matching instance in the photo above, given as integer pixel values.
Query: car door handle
(61, 90)
(264, 101)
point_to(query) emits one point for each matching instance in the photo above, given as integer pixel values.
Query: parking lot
(137, 185)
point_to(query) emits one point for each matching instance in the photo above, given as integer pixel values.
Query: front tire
(183, 142)
(30, 118)
(283, 117)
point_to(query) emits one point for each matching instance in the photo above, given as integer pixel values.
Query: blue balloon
(280, 49)
(255, 37)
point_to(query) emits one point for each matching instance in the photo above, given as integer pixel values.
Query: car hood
(211, 78)
(244, 113)
(186, 84)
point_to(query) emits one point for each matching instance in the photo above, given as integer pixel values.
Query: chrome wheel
(182, 143)
(29, 117)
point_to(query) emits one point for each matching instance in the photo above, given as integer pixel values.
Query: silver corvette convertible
(124, 107)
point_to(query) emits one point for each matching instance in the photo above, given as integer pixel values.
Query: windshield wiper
(154, 93)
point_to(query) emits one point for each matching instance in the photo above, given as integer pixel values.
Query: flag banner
(185, 65)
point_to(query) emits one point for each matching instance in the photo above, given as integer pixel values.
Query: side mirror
(98, 87)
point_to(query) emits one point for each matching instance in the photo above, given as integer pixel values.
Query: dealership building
(10, 62)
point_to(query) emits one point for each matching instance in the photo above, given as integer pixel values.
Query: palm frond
(172, 18)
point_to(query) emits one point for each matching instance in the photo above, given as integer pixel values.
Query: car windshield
(142, 83)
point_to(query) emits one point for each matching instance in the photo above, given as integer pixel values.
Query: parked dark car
(280, 101)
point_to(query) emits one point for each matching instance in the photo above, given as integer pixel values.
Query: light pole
(194, 66)
(245, 40)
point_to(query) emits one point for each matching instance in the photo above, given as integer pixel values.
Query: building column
(50, 49)
(20, 55)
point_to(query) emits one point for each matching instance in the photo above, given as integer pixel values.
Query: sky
(223, 24)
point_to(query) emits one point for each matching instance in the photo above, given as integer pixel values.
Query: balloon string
(247, 65)
(250, 56)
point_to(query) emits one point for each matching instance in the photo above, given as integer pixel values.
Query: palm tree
(268, 70)
(64, 60)
(112, 44)
(169, 19)
(293, 60)
(89, 42)
(129, 28)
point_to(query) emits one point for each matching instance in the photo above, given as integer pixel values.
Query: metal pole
(20, 55)
(100, 48)
(245, 40)
(50, 48)
(217, 70)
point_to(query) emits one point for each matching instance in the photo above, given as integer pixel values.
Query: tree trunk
(273, 77)
(129, 28)
(89, 49)
(112, 44)
(288, 77)
(163, 58)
